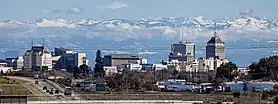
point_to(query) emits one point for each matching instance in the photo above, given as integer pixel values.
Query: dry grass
(246, 99)
(4, 80)
(12, 87)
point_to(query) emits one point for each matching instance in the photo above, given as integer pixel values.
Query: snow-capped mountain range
(197, 22)
(143, 35)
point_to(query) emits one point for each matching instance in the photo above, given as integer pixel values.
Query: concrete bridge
(116, 102)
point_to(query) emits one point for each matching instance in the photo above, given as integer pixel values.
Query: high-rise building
(183, 51)
(80, 59)
(37, 58)
(215, 48)
(69, 58)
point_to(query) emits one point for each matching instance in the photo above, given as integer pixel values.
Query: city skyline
(99, 9)
(118, 25)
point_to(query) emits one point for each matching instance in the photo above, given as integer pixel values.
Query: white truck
(36, 76)
(68, 91)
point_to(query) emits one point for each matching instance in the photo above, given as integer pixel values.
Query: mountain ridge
(150, 38)
(197, 22)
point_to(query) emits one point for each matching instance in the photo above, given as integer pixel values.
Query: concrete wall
(116, 102)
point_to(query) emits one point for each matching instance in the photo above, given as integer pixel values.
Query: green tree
(74, 70)
(85, 70)
(275, 100)
(1, 73)
(266, 68)
(226, 71)
(99, 71)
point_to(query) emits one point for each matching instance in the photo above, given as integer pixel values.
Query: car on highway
(51, 92)
(36, 76)
(36, 82)
(44, 88)
(47, 91)
(56, 91)
(68, 91)
(52, 89)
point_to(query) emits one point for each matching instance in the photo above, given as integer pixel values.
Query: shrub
(218, 103)
(236, 94)
(275, 100)
(264, 96)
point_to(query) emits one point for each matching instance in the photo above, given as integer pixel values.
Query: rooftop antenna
(215, 30)
(43, 42)
(32, 42)
(182, 36)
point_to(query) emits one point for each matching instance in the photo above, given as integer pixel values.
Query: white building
(109, 70)
(144, 61)
(37, 58)
(45, 60)
(6, 69)
(134, 67)
(243, 70)
(159, 67)
(210, 64)
(19, 63)
(80, 59)
(198, 65)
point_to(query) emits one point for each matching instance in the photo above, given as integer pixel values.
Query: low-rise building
(109, 70)
(6, 69)
(11, 62)
(211, 64)
(19, 63)
(157, 67)
(3, 63)
(16, 63)
(243, 70)
(122, 59)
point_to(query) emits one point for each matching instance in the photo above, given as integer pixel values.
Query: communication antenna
(43, 42)
(182, 36)
(215, 30)
(32, 42)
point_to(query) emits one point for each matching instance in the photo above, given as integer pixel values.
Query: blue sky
(30, 10)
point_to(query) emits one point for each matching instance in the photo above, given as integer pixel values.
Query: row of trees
(141, 81)
(98, 69)
(84, 70)
(266, 69)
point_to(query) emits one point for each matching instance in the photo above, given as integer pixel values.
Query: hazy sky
(29, 10)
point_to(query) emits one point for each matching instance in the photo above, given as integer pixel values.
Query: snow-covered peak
(59, 22)
(198, 22)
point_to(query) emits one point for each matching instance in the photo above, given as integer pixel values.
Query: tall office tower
(183, 51)
(215, 47)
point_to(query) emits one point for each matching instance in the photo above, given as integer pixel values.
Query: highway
(37, 89)
(56, 86)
